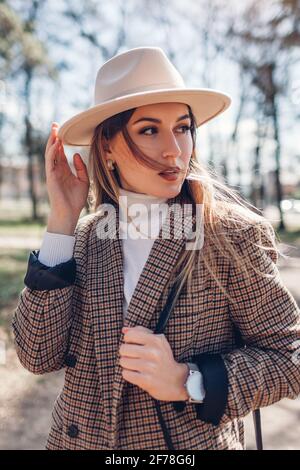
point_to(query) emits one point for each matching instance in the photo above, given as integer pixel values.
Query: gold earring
(110, 164)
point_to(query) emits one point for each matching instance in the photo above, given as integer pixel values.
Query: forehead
(161, 109)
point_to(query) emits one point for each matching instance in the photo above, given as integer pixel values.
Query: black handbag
(162, 321)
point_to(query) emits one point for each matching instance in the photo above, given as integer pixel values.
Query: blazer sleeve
(268, 319)
(43, 316)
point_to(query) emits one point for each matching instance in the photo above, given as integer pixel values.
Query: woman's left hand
(148, 362)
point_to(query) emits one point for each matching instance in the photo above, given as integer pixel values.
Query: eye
(187, 129)
(142, 131)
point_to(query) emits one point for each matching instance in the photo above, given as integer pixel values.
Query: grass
(22, 226)
(292, 237)
(13, 265)
(12, 271)
(22, 222)
(13, 262)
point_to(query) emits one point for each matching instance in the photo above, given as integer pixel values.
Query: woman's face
(168, 141)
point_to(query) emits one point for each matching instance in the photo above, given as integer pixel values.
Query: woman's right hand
(67, 192)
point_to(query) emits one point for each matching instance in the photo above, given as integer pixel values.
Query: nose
(172, 149)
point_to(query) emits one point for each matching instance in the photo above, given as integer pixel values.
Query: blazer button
(73, 430)
(71, 360)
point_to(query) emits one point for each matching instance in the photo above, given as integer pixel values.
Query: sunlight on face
(168, 141)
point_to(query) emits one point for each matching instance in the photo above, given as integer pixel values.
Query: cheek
(186, 157)
(187, 146)
(187, 149)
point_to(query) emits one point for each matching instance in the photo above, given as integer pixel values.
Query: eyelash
(188, 128)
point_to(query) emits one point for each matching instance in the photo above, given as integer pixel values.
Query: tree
(24, 54)
(263, 51)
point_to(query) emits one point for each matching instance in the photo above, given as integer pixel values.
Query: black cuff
(42, 277)
(215, 381)
(179, 405)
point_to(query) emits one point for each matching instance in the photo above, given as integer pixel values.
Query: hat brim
(206, 104)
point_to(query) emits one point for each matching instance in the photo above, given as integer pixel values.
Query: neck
(148, 204)
(141, 198)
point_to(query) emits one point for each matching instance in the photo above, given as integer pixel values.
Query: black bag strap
(160, 326)
(167, 310)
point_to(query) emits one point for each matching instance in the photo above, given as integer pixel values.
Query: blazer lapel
(106, 290)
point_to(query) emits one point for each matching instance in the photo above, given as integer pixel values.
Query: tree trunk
(278, 186)
(29, 145)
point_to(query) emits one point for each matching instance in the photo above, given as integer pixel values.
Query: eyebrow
(158, 120)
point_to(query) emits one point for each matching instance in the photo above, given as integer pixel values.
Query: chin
(175, 192)
(163, 194)
(168, 191)
(171, 192)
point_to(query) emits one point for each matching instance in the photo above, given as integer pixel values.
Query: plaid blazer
(70, 316)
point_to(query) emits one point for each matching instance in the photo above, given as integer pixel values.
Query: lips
(171, 171)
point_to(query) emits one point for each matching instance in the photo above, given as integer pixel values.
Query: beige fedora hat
(137, 77)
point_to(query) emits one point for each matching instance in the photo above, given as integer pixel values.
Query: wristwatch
(194, 384)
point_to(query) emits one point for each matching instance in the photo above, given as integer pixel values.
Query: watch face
(194, 386)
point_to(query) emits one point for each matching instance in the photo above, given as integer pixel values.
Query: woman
(80, 283)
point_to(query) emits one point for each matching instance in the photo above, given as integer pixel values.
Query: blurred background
(50, 52)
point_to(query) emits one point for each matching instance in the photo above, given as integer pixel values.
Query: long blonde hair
(222, 206)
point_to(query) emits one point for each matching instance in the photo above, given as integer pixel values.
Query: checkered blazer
(71, 315)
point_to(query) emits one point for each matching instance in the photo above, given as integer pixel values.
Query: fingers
(55, 150)
(132, 350)
(54, 129)
(136, 337)
(138, 334)
(80, 168)
(53, 135)
(133, 364)
(57, 154)
(61, 152)
(52, 155)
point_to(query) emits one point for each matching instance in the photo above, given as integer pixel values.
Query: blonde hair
(225, 213)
